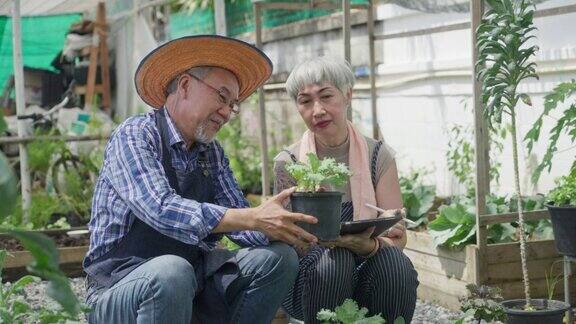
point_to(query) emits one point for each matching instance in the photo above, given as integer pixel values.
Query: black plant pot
(564, 226)
(546, 311)
(325, 206)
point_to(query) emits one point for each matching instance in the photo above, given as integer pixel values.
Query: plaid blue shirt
(132, 183)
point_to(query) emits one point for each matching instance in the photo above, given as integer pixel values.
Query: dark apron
(214, 269)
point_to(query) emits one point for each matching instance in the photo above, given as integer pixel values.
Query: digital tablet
(379, 224)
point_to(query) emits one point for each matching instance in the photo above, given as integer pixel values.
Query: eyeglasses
(222, 98)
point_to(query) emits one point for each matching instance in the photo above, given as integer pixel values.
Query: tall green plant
(505, 59)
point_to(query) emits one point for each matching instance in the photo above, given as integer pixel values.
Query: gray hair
(320, 70)
(200, 72)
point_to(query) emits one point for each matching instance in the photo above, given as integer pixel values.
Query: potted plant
(312, 197)
(562, 208)
(504, 60)
(562, 199)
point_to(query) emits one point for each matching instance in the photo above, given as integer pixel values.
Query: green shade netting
(239, 18)
(42, 39)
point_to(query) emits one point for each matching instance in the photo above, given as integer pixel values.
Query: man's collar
(174, 135)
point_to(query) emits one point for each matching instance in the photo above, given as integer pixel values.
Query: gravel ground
(425, 313)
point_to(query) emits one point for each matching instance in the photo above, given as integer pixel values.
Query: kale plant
(350, 313)
(310, 177)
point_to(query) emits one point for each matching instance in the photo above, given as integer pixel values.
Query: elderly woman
(374, 272)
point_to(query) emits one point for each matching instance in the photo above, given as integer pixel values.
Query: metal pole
(567, 274)
(370, 24)
(25, 183)
(133, 109)
(220, 17)
(262, 107)
(346, 35)
(481, 135)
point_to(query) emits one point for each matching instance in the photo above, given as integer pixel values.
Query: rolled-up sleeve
(138, 177)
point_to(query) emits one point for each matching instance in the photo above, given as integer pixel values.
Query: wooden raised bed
(444, 273)
(71, 257)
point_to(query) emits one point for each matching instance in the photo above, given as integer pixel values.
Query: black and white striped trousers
(385, 283)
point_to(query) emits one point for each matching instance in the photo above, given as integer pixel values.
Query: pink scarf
(361, 181)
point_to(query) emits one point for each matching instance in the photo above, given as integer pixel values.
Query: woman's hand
(361, 243)
(395, 236)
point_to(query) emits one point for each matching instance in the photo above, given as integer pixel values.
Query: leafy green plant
(505, 59)
(14, 308)
(309, 177)
(417, 197)
(350, 313)
(565, 192)
(565, 124)
(42, 207)
(41, 154)
(482, 303)
(455, 225)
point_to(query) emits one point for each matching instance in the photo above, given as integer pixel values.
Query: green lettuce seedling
(565, 192)
(309, 177)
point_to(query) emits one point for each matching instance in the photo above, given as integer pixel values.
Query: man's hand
(360, 243)
(277, 223)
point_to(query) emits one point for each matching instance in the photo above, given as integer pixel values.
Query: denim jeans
(162, 289)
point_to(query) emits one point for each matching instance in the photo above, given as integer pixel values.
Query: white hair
(320, 70)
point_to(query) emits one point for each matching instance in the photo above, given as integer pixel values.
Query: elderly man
(166, 193)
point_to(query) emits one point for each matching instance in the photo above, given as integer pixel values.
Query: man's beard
(200, 134)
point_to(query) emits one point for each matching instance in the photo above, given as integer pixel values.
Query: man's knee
(276, 259)
(173, 275)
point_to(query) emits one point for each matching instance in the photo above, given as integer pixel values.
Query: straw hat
(250, 65)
